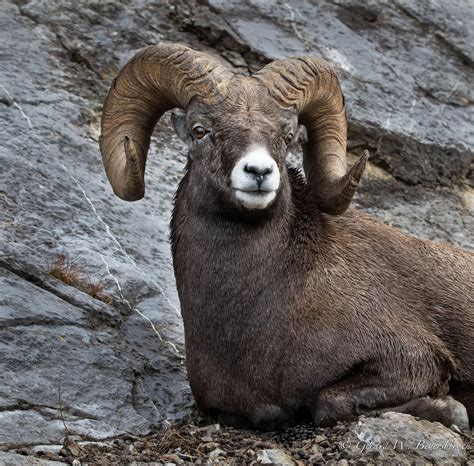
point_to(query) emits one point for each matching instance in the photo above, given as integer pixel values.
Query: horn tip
(359, 167)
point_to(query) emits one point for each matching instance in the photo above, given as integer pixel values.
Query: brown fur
(291, 309)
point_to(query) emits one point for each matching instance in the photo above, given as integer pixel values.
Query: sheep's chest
(235, 313)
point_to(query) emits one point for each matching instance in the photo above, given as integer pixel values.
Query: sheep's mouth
(259, 191)
(255, 199)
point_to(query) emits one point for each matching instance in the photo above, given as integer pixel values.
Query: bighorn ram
(291, 302)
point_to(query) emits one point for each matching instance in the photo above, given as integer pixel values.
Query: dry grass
(71, 273)
(166, 446)
(179, 436)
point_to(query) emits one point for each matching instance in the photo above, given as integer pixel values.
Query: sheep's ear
(301, 135)
(179, 123)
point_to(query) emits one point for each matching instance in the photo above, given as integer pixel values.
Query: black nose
(258, 172)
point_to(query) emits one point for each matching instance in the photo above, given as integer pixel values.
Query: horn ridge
(311, 86)
(158, 78)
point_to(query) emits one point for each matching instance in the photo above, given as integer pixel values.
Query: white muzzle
(255, 179)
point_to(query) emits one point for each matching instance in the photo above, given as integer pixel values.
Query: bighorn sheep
(291, 302)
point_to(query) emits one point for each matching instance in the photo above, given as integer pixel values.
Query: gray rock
(274, 456)
(58, 375)
(216, 455)
(24, 303)
(396, 438)
(70, 363)
(13, 459)
(47, 449)
(406, 71)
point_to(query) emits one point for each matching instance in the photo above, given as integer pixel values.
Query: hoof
(328, 411)
(270, 417)
(459, 414)
(447, 411)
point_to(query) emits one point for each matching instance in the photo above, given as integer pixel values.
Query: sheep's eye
(199, 132)
(289, 138)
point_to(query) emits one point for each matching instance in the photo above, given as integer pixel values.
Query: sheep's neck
(222, 264)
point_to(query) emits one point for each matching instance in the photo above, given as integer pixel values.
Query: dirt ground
(198, 442)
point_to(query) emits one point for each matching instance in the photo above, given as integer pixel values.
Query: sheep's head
(239, 146)
(237, 128)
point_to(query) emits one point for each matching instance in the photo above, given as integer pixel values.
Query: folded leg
(368, 393)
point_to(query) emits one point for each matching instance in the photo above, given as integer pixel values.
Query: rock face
(69, 362)
(72, 364)
(405, 71)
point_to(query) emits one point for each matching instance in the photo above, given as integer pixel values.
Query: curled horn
(311, 86)
(156, 79)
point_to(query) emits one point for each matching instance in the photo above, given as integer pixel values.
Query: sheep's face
(238, 148)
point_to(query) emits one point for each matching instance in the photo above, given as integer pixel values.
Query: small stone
(212, 428)
(319, 438)
(209, 446)
(42, 449)
(274, 456)
(235, 58)
(71, 445)
(185, 457)
(316, 456)
(316, 449)
(215, 454)
(240, 451)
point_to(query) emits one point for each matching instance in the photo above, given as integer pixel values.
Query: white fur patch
(247, 190)
(255, 199)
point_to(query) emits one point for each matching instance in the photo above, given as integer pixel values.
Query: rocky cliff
(71, 363)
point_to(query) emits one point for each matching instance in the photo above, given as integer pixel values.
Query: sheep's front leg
(365, 394)
(264, 416)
